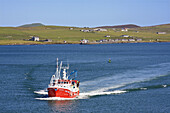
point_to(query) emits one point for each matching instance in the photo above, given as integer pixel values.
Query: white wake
(41, 92)
(85, 95)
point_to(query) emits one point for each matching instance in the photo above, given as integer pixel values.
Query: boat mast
(60, 70)
(56, 73)
(57, 66)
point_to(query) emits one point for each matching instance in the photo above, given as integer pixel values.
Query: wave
(95, 93)
(122, 79)
(55, 98)
(41, 92)
(147, 87)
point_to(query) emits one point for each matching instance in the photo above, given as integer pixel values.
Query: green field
(58, 34)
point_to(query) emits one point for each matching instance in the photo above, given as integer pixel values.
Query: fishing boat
(65, 85)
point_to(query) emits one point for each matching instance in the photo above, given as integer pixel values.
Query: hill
(155, 28)
(32, 25)
(121, 26)
(61, 34)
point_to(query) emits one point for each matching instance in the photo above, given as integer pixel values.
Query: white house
(35, 39)
(86, 30)
(107, 36)
(98, 40)
(161, 32)
(138, 39)
(116, 40)
(99, 29)
(95, 29)
(102, 40)
(102, 29)
(131, 40)
(124, 29)
(126, 36)
(124, 40)
(84, 41)
(111, 40)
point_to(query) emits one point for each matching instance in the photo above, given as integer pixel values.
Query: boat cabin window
(78, 84)
(73, 83)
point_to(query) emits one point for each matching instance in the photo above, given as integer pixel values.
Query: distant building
(35, 39)
(131, 40)
(126, 36)
(160, 32)
(102, 40)
(124, 29)
(157, 39)
(111, 40)
(71, 28)
(99, 29)
(84, 41)
(102, 30)
(117, 40)
(124, 40)
(86, 30)
(95, 29)
(138, 39)
(98, 40)
(107, 36)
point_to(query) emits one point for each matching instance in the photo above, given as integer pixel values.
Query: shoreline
(90, 43)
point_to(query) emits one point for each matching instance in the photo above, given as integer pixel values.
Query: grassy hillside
(17, 35)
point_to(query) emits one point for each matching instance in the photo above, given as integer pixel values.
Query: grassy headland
(58, 34)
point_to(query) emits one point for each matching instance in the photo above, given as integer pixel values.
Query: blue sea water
(141, 70)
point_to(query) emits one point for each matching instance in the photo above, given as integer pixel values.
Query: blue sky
(82, 13)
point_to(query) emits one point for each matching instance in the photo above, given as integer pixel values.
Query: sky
(84, 13)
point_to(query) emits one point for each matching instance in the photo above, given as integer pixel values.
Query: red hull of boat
(63, 93)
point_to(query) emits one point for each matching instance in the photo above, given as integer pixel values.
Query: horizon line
(84, 26)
